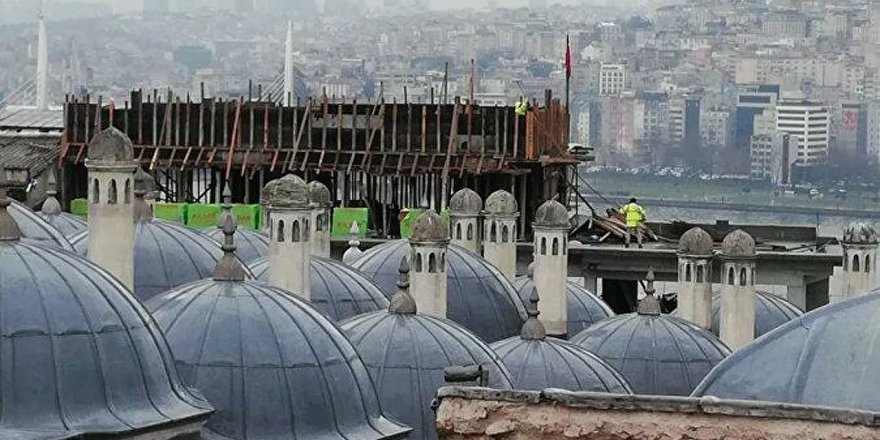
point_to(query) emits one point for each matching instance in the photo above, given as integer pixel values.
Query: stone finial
(465, 202)
(289, 191)
(353, 253)
(649, 306)
(51, 206)
(501, 203)
(402, 303)
(429, 227)
(859, 233)
(695, 242)
(9, 230)
(143, 185)
(533, 329)
(319, 194)
(552, 214)
(229, 268)
(110, 147)
(226, 207)
(738, 244)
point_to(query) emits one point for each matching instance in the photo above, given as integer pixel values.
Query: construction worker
(635, 217)
(522, 106)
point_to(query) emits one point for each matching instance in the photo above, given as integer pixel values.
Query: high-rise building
(612, 79)
(752, 101)
(772, 156)
(808, 123)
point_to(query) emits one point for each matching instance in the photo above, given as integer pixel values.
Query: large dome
(337, 291)
(35, 228)
(584, 308)
(166, 255)
(406, 353)
(538, 362)
(827, 357)
(252, 245)
(81, 356)
(479, 297)
(657, 354)
(771, 311)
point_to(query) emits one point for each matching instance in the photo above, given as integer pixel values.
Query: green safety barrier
(247, 216)
(410, 217)
(79, 207)
(175, 212)
(200, 216)
(344, 217)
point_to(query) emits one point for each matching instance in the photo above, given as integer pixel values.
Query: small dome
(584, 308)
(657, 354)
(271, 364)
(319, 194)
(252, 245)
(827, 358)
(771, 311)
(552, 214)
(465, 202)
(695, 241)
(337, 291)
(110, 146)
(479, 297)
(289, 191)
(36, 229)
(166, 255)
(538, 362)
(859, 233)
(406, 353)
(66, 223)
(738, 244)
(429, 227)
(501, 203)
(88, 359)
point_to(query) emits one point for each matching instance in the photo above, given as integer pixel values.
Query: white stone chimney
(290, 214)
(499, 232)
(319, 197)
(429, 241)
(695, 277)
(859, 261)
(465, 208)
(111, 166)
(738, 296)
(551, 229)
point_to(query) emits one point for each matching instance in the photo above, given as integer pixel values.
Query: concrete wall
(479, 413)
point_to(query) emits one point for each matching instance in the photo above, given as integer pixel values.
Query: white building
(772, 156)
(612, 79)
(809, 123)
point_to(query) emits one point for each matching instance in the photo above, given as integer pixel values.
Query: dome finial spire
(9, 230)
(226, 207)
(533, 329)
(229, 268)
(353, 253)
(649, 305)
(143, 184)
(402, 303)
(51, 205)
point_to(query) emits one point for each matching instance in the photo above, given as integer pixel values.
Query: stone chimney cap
(319, 194)
(552, 214)
(695, 241)
(501, 202)
(402, 303)
(110, 147)
(738, 244)
(429, 227)
(466, 202)
(289, 191)
(860, 233)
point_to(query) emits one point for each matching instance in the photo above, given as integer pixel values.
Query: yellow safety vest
(522, 107)
(634, 213)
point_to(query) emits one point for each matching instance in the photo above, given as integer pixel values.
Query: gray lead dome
(337, 291)
(827, 357)
(478, 296)
(657, 354)
(252, 245)
(36, 229)
(584, 308)
(88, 359)
(272, 365)
(771, 311)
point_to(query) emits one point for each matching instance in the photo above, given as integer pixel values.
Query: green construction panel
(79, 207)
(247, 216)
(175, 212)
(201, 216)
(344, 217)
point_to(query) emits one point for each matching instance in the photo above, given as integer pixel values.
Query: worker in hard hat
(635, 217)
(522, 106)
